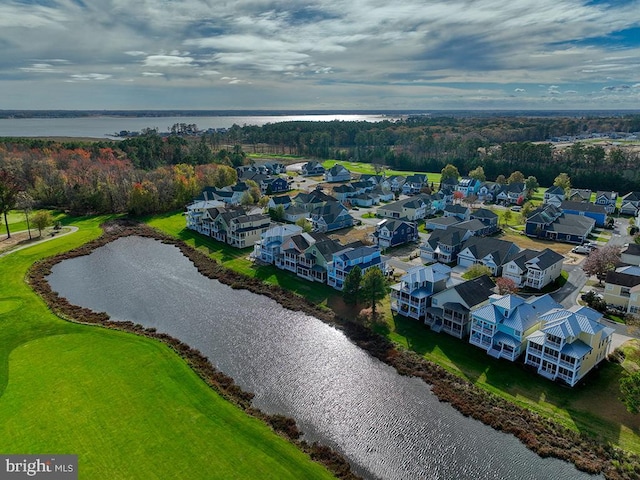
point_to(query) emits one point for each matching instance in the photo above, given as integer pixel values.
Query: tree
(374, 288)
(563, 181)
(506, 286)
(457, 196)
(277, 214)
(306, 225)
(501, 180)
(478, 174)
(630, 390)
(506, 217)
(351, 287)
(475, 271)
(42, 220)
(532, 185)
(25, 203)
(449, 171)
(143, 198)
(602, 260)
(516, 177)
(8, 195)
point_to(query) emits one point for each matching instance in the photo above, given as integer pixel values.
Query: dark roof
(480, 247)
(452, 237)
(583, 207)
(583, 193)
(568, 223)
(622, 279)
(632, 249)
(328, 247)
(476, 291)
(632, 197)
(545, 214)
(473, 225)
(446, 221)
(524, 256)
(456, 209)
(555, 190)
(548, 257)
(300, 241)
(484, 213)
(281, 200)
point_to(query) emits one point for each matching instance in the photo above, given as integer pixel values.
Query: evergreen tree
(374, 287)
(351, 287)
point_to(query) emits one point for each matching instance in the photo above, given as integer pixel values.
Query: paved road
(67, 231)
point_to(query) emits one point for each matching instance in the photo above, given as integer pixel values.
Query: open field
(367, 168)
(127, 405)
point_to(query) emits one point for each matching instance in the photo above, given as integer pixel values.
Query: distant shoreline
(18, 114)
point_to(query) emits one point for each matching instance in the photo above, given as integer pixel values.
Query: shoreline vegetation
(539, 434)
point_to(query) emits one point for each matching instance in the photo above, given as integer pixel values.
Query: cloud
(411, 53)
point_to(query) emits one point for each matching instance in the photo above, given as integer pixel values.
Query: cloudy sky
(319, 54)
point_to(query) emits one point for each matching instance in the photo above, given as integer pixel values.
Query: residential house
(630, 255)
(589, 210)
(630, 204)
(468, 186)
(412, 209)
(443, 245)
(579, 195)
(329, 217)
(372, 179)
(292, 249)
(460, 212)
(391, 233)
(554, 195)
(312, 200)
(438, 202)
(344, 261)
(488, 191)
(394, 183)
(272, 185)
(476, 227)
(220, 221)
(410, 297)
(245, 230)
(293, 213)
(607, 200)
(569, 344)
(552, 223)
(618, 285)
(440, 223)
(310, 169)
(275, 168)
(487, 251)
(281, 200)
(313, 264)
(268, 248)
(488, 218)
(365, 200)
(414, 184)
(344, 192)
(534, 269)
(197, 212)
(502, 327)
(337, 173)
(383, 194)
(512, 194)
(450, 309)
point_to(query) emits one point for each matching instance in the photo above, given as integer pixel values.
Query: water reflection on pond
(388, 426)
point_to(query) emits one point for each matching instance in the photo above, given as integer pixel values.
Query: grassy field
(127, 405)
(367, 168)
(17, 222)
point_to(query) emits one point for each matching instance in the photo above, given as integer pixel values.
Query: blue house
(273, 185)
(468, 186)
(345, 260)
(391, 233)
(590, 210)
(330, 217)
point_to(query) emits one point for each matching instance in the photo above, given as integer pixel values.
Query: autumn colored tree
(501, 180)
(601, 261)
(143, 198)
(458, 196)
(506, 286)
(9, 189)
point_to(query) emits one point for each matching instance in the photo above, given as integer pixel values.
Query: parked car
(517, 208)
(582, 249)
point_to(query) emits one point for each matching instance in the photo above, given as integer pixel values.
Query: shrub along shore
(539, 434)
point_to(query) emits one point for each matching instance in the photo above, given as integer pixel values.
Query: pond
(387, 426)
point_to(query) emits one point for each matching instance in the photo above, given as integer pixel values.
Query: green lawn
(17, 221)
(367, 168)
(127, 405)
(593, 408)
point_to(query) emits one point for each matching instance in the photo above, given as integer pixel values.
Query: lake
(102, 126)
(387, 426)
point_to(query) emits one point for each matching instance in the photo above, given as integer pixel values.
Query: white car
(581, 249)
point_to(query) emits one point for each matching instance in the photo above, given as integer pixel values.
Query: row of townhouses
(559, 343)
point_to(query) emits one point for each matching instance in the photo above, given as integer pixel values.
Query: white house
(410, 297)
(534, 269)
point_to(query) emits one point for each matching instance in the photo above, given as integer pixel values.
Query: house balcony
(483, 330)
(574, 367)
(306, 262)
(549, 373)
(480, 341)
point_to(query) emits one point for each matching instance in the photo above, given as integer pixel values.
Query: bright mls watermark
(49, 467)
